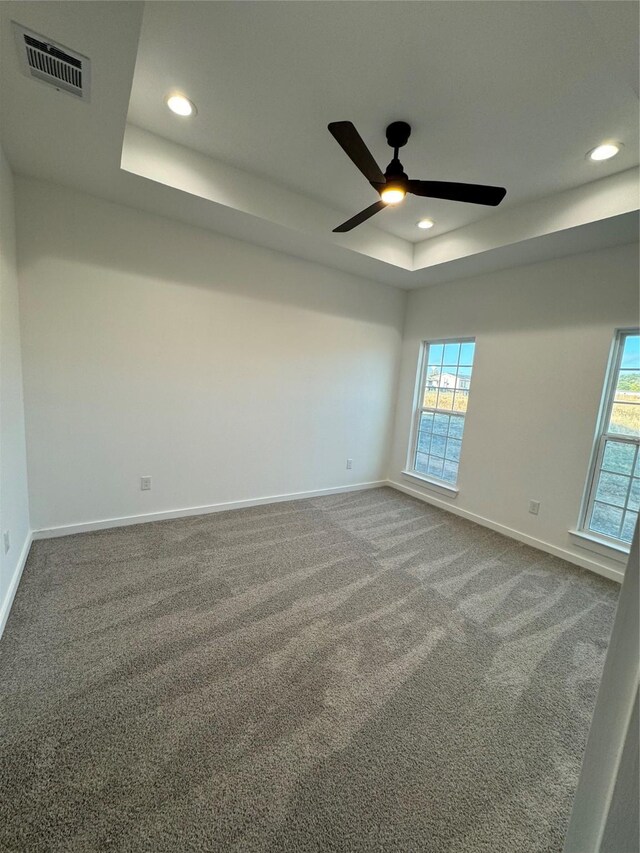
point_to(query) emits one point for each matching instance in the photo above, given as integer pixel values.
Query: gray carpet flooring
(358, 672)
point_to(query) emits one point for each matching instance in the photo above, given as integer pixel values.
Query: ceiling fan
(394, 184)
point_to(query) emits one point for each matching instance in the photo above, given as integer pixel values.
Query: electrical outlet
(145, 484)
(534, 507)
(349, 464)
(6, 539)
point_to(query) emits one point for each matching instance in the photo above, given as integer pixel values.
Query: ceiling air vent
(53, 63)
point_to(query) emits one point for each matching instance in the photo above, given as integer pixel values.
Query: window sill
(435, 485)
(593, 542)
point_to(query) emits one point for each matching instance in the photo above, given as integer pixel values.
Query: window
(613, 487)
(443, 393)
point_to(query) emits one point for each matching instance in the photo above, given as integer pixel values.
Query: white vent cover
(53, 63)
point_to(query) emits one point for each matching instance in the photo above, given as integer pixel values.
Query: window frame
(419, 408)
(600, 441)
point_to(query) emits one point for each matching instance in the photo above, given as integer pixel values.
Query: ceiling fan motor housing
(398, 133)
(395, 171)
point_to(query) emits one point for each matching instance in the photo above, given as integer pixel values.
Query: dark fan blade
(473, 193)
(351, 142)
(359, 218)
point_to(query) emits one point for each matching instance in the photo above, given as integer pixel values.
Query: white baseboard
(583, 562)
(5, 607)
(106, 523)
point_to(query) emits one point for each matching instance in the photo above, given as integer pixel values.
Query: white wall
(14, 508)
(543, 336)
(223, 370)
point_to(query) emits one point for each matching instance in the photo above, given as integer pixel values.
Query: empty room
(319, 426)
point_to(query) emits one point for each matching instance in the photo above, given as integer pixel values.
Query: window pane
(433, 375)
(424, 431)
(421, 463)
(606, 519)
(445, 399)
(438, 444)
(634, 495)
(447, 377)
(456, 427)
(466, 353)
(441, 424)
(629, 526)
(424, 441)
(435, 354)
(636, 472)
(625, 419)
(628, 386)
(430, 397)
(450, 471)
(453, 449)
(460, 401)
(618, 456)
(426, 422)
(631, 352)
(612, 488)
(451, 353)
(434, 468)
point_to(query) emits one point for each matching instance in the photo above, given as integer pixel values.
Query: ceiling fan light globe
(392, 195)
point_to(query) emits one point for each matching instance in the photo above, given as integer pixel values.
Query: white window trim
(450, 489)
(583, 536)
(615, 550)
(431, 483)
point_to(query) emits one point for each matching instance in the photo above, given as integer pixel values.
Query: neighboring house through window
(612, 495)
(443, 394)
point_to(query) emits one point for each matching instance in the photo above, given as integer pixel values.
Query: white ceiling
(512, 94)
(506, 93)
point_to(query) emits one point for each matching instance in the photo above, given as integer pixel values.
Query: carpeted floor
(359, 672)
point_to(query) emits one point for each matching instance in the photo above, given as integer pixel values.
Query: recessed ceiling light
(180, 105)
(604, 151)
(425, 223)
